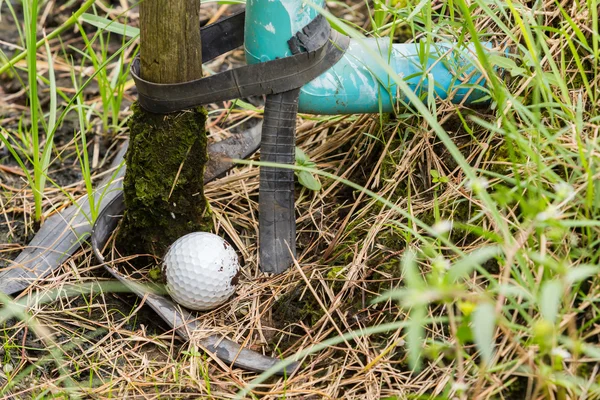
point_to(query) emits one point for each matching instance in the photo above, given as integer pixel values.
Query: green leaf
(301, 157)
(464, 333)
(411, 272)
(581, 272)
(507, 64)
(591, 351)
(246, 106)
(47, 151)
(464, 266)
(305, 178)
(396, 294)
(515, 291)
(549, 300)
(110, 25)
(308, 180)
(415, 332)
(551, 79)
(483, 328)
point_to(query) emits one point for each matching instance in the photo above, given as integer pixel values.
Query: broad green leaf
(484, 327)
(515, 291)
(411, 272)
(464, 333)
(549, 299)
(581, 272)
(301, 157)
(464, 266)
(397, 294)
(507, 64)
(308, 180)
(415, 332)
(591, 351)
(551, 79)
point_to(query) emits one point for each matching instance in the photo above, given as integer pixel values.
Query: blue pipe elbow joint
(360, 82)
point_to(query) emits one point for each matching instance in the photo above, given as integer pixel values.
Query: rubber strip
(276, 211)
(277, 218)
(276, 76)
(223, 36)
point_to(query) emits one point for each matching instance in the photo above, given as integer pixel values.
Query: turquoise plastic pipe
(358, 83)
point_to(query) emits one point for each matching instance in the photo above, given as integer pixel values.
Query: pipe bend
(359, 83)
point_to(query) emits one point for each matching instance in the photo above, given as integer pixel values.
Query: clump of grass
(111, 84)
(31, 145)
(27, 145)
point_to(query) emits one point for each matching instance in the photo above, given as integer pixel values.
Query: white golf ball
(201, 271)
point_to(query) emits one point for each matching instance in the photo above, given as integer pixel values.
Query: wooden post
(170, 49)
(163, 185)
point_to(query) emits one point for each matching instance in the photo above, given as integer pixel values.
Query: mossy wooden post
(163, 186)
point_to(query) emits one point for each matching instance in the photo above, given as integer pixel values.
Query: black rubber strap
(223, 36)
(276, 211)
(276, 76)
(277, 217)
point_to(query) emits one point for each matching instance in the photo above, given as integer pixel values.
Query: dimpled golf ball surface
(199, 270)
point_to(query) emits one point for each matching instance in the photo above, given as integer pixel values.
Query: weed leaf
(307, 180)
(110, 25)
(414, 336)
(301, 157)
(411, 272)
(507, 64)
(549, 300)
(484, 324)
(581, 272)
(464, 266)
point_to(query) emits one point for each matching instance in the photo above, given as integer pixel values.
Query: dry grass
(103, 344)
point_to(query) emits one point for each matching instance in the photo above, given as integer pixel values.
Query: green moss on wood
(163, 186)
